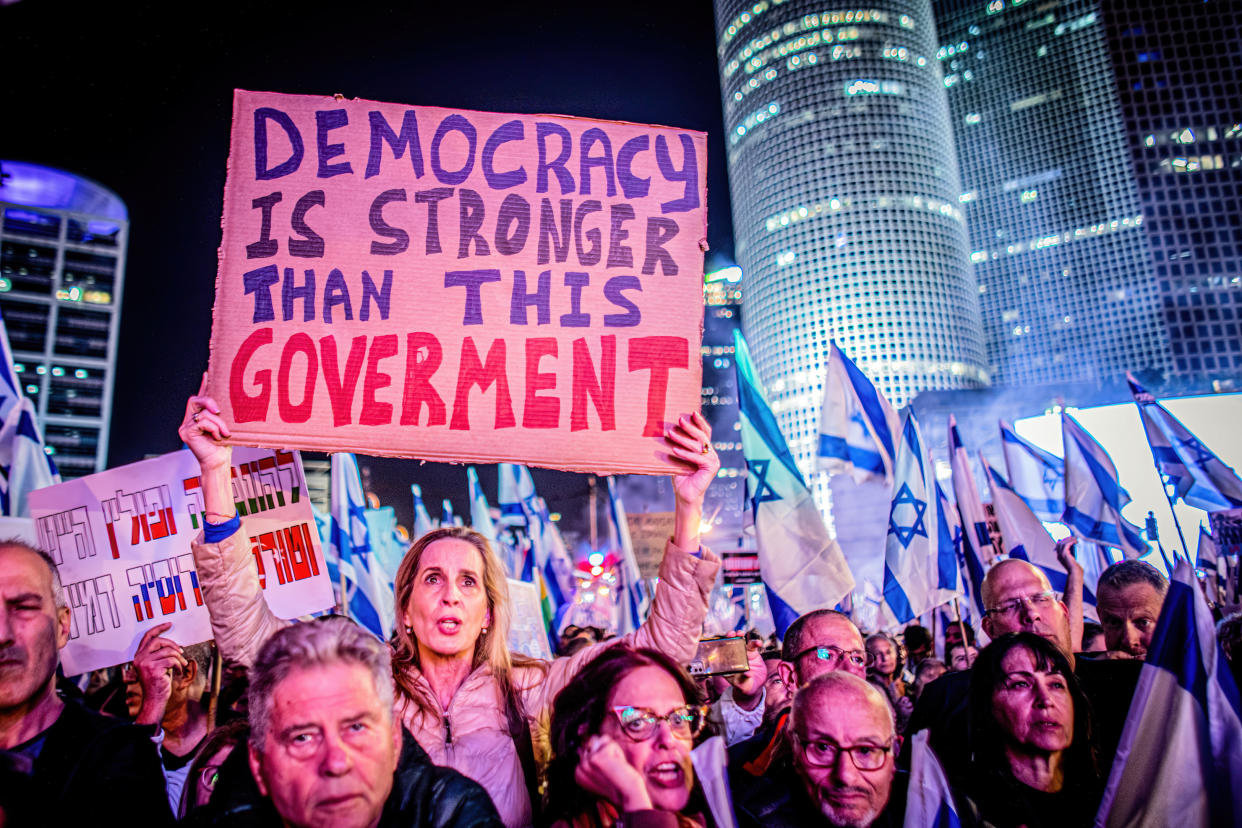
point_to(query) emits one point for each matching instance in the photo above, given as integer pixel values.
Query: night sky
(138, 97)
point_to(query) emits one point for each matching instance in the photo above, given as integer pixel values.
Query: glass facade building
(1063, 265)
(845, 189)
(62, 265)
(1178, 73)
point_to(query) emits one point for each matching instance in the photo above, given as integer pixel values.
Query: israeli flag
(977, 549)
(422, 520)
(1024, 535)
(912, 572)
(1036, 475)
(631, 577)
(929, 800)
(367, 593)
(1180, 757)
(447, 518)
(1093, 497)
(1214, 565)
(857, 426)
(25, 464)
(515, 494)
(802, 566)
(949, 547)
(1194, 472)
(481, 522)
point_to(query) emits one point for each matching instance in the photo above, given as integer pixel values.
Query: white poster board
(121, 539)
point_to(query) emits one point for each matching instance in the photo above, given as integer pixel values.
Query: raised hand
(202, 429)
(155, 663)
(604, 771)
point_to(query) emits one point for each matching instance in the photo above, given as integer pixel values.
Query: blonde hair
(492, 646)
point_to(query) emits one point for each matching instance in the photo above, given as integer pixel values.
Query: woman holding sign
(468, 701)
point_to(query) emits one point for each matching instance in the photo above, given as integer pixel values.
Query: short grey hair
(1128, 573)
(58, 589)
(836, 680)
(325, 641)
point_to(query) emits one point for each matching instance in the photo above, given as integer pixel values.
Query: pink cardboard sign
(461, 286)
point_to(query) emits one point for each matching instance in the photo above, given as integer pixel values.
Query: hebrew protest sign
(452, 285)
(121, 540)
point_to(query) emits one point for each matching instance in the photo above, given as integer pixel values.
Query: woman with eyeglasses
(467, 700)
(1034, 760)
(884, 671)
(621, 736)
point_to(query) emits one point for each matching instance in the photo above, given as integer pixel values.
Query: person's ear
(987, 626)
(788, 674)
(256, 769)
(64, 621)
(188, 674)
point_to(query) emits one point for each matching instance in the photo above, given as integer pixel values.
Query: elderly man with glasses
(819, 642)
(844, 741)
(1017, 597)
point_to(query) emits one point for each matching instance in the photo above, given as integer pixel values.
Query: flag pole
(961, 625)
(1164, 486)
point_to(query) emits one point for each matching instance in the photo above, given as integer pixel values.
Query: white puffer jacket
(480, 745)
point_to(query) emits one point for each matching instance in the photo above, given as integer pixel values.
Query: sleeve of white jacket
(673, 626)
(240, 618)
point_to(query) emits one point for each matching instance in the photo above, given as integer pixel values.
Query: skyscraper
(1056, 230)
(1179, 81)
(722, 296)
(845, 202)
(62, 265)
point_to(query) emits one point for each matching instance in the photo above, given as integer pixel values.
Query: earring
(409, 629)
(483, 631)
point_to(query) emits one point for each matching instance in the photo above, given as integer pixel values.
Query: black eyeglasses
(823, 754)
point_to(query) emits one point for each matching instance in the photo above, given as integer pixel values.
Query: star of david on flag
(802, 566)
(907, 533)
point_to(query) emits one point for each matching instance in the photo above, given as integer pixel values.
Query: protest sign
(741, 566)
(121, 540)
(649, 531)
(452, 285)
(527, 633)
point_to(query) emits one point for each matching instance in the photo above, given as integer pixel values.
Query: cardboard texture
(121, 540)
(458, 286)
(649, 532)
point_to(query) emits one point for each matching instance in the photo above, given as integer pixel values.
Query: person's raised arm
(689, 446)
(202, 429)
(1073, 589)
(240, 617)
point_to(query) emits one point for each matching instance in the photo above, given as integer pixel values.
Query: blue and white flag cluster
(1194, 472)
(919, 574)
(368, 594)
(24, 464)
(1093, 497)
(802, 566)
(977, 549)
(857, 426)
(1180, 757)
(1037, 476)
(1024, 535)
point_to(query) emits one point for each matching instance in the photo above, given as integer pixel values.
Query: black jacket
(90, 767)
(423, 795)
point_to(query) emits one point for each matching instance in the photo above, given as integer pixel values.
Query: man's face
(962, 657)
(829, 642)
(32, 629)
(1129, 616)
(330, 750)
(838, 718)
(1017, 592)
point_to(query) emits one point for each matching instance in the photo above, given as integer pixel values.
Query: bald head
(831, 693)
(1018, 598)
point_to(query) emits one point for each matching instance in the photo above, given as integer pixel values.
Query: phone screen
(719, 657)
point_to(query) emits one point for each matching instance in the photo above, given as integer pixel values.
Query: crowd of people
(318, 723)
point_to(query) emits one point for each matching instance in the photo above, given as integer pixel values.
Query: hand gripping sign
(453, 285)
